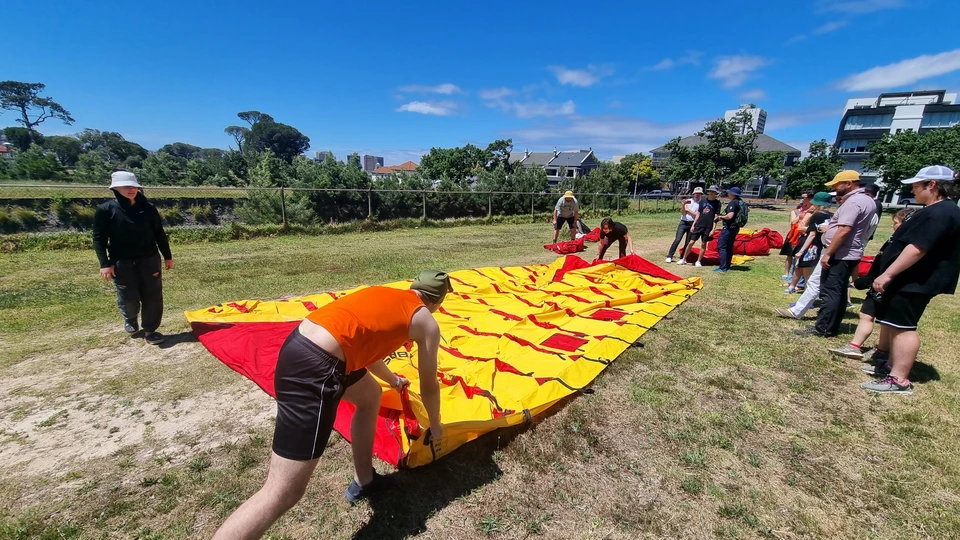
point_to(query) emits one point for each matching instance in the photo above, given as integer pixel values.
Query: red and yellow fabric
(515, 341)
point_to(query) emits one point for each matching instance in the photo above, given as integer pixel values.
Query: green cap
(434, 285)
(822, 198)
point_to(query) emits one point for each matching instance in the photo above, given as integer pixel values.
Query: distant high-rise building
(758, 117)
(323, 156)
(371, 163)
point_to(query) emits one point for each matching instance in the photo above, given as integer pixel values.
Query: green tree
(455, 164)
(499, 154)
(718, 158)
(264, 204)
(113, 148)
(92, 169)
(639, 171)
(67, 149)
(34, 109)
(769, 165)
(181, 150)
(812, 172)
(21, 138)
(900, 156)
(354, 160)
(239, 134)
(285, 142)
(35, 164)
(160, 168)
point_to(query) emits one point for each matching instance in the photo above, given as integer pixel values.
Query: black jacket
(128, 231)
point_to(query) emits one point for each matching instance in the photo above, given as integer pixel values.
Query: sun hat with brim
(844, 176)
(433, 284)
(123, 179)
(568, 195)
(933, 172)
(822, 198)
(698, 190)
(734, 191)
(714, 189)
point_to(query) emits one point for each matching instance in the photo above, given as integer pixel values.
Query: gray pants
(140, 291)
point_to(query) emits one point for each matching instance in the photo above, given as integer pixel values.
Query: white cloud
(440, 108)
(580, 77)
(903, 73)
(445, 89)
(857, 6)
(666, 63)
(494, 93)
(733, 71)
(755, 94)
(789, 119)
(796, 39)
(829, 27)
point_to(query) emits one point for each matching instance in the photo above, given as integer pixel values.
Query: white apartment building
(758, 117)
(869, 119)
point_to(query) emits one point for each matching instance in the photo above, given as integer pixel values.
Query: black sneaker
(355, 491)
(154, 338)
(810, 331)
(130, 328)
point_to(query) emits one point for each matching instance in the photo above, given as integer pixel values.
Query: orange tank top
(369, 324)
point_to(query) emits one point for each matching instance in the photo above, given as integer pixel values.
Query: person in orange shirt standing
(335, 353)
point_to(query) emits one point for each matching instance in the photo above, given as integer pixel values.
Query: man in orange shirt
(329, 356)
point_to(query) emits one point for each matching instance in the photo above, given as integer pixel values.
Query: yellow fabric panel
(503, 320)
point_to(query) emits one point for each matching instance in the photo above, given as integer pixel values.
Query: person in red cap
(127, 234)
(334, 354)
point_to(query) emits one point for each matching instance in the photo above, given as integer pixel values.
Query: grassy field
(724, 424)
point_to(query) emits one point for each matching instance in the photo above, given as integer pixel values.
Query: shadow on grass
(739, 268)
(176, 339)
(923, 373)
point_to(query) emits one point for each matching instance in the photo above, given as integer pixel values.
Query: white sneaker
(682, 261)
(669, 259)
(698, 265)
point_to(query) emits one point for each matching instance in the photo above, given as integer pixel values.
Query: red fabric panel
(386, 441)
(639, 264)
(249, 348)
(607, 315)
(566, 343)
(570, 263)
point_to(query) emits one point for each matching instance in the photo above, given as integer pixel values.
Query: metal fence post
(490, 204)
(618, 205)
(658, 203)
(424, 205)
(283, 206)
(532, 218)
(370, 203)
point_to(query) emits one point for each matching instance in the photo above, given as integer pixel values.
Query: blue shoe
(785, 277)
(719, 270)
(355, 491)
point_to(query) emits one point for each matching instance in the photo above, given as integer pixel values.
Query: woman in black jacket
(127, 233)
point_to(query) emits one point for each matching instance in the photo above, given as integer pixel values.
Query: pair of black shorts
(870, 303)
(309, 383)
(902, 310)
(570, 221)
(701, 236)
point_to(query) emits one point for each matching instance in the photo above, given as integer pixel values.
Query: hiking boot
(785, 313)
(154, 338)
(848, 351)
(355, 491)
(888, 385)
(130, 327)
(877, 370)
(669, 260)
(698, 265)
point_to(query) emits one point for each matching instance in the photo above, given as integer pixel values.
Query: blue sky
(397, 78)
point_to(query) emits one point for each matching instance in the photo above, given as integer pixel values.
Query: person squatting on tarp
(613, 231)
(688, 213)
(127, 233)
(330, 356)
(566, 211)
(703, 224)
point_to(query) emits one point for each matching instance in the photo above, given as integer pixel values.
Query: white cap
(123, 179)
(933, 172)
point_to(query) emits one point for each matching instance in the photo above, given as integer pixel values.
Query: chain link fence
(41, 208)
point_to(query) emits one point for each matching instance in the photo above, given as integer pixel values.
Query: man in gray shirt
(846, 237)
(566, 211)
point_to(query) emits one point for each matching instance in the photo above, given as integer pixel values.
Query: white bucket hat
(123, 179)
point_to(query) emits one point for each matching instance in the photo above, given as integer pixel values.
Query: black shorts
(902, 310)
(870, 304)
(309, 383)
(701, 236)
(570, 221)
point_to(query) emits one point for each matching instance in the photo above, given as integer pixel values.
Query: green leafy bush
(81, 215)
(202, 213)
(172, 215)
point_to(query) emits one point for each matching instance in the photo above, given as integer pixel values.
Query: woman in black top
(613, 231)
(127, 234)
(922, 261)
